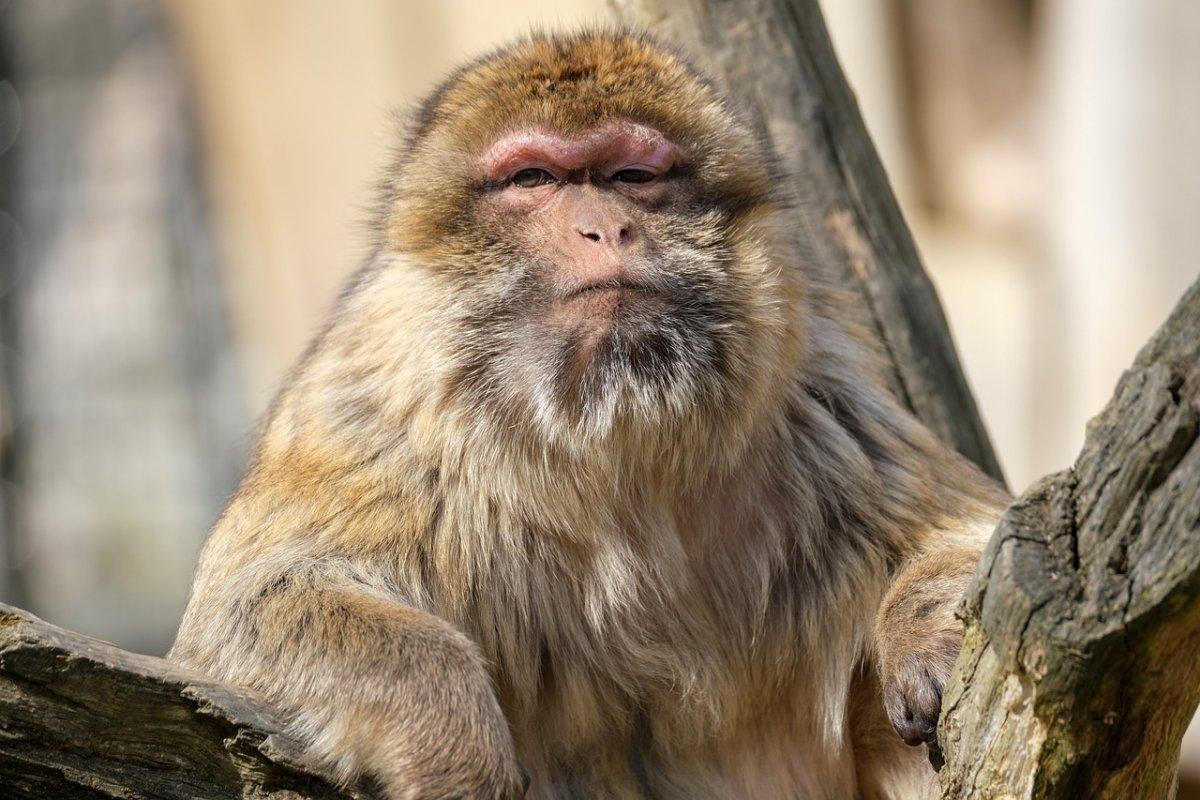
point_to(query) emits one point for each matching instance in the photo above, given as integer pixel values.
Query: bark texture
(83, 720)
(775, 59)
(1081, 667)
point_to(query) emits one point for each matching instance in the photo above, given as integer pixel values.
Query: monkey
(592, 486)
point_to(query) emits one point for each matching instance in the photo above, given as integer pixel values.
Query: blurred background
(183, 185)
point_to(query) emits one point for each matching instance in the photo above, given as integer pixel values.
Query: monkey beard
(657, 361)
(661, 362)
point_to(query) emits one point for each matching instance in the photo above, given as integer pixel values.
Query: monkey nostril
(618, 236)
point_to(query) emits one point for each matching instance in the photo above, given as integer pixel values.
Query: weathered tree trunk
(775, 59)
(1081, 667)
(83, 720)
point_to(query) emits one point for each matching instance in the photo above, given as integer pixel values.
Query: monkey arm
(370, 685)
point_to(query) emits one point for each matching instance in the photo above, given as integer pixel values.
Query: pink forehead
(614, 144)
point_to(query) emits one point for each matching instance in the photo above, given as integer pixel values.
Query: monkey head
(601, 224)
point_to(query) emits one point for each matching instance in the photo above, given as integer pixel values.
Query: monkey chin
(596, 315)
(625, 357)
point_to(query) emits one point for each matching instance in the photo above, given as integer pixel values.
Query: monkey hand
(917, 639)
(460, 760)
(453, 741)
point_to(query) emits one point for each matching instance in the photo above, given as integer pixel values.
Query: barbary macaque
(590, 484)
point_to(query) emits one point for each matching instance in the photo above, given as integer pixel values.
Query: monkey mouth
(599, 305)
(614, 288)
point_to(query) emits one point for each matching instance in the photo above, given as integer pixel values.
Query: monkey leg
(376, 687)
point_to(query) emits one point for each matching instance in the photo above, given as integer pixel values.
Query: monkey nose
(613, 235)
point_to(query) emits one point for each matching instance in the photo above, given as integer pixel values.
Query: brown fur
(661, 581)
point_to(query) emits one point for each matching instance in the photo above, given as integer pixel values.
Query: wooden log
(1081, 666)
(83, 720)
(775, 59)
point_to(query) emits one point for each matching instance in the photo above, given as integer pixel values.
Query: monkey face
(615, 305)
(599, 214)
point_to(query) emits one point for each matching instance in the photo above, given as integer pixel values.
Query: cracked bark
(83, 720)
(1081, 665)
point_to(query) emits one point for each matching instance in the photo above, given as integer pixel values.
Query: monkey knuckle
(913, 699)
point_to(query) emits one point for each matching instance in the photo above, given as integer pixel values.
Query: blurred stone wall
(125, 428)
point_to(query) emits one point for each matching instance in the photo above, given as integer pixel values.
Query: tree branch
(1081, 667)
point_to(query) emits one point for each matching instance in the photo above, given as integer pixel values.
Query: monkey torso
(656, 624)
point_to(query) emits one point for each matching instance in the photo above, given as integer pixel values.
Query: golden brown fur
(451, 552)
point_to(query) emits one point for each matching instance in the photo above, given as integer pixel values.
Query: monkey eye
(531, 177)
(633, 175)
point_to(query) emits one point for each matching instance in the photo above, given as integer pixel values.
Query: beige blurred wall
(1067, 231)
(297, 100)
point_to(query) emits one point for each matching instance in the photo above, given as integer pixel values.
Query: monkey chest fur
(707, 647)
